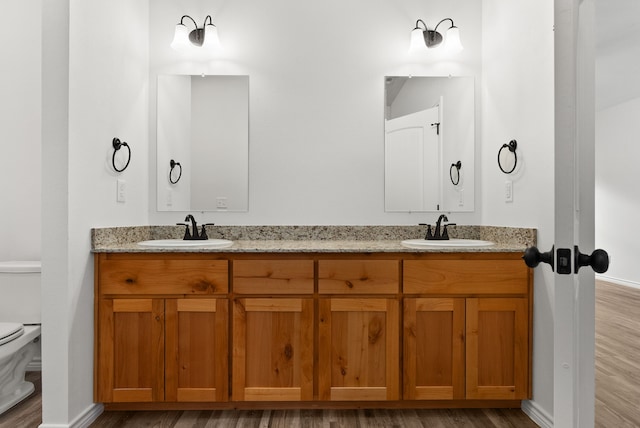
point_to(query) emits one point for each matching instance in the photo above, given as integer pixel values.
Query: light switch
(508, 191)
(122, 190)
(221, 203)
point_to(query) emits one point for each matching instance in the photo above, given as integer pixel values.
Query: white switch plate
(461, 198)
(169, 196)
(221, 203)
(122, 190)
(508, 191)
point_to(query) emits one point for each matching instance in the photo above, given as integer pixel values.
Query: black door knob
(532, 257)
(598, 260)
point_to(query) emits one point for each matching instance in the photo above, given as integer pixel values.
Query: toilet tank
(20, 291)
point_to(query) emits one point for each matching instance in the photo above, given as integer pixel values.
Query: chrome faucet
(440, 231)
(194, 235)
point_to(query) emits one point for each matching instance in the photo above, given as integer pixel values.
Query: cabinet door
(197, 350)
(433, 349)
(497, 348)
(131, 350)
(273, 349)
(358, 353)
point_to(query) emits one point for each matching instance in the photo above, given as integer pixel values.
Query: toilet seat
(10, 331)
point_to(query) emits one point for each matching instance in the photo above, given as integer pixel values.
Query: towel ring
(117, 145)
(512, 145)
(457, 166)
(173, 164)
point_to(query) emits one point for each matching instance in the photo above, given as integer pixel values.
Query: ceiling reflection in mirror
(202, 142)
(429, 131)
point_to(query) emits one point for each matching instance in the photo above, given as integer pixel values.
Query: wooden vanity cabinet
(162, 330)
(467, 332)
(273, 339)
(240, 330)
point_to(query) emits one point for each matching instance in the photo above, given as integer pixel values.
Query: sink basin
(215, 243)
(423, 243)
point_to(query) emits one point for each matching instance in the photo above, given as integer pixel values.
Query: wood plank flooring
(617, 356)
(617, 391)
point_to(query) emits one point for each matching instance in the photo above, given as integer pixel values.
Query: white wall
(94, 88)
(316, 100)
(20, 124)
(617, 128)
(617, 194)
(518, 103)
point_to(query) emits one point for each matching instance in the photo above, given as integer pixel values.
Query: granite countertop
(309, 239)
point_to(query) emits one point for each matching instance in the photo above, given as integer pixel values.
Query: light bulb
(453, 44)
(211, 41)
(417, 41)
(181, 38)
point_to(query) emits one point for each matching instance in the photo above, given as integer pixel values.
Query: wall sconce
(430, 39)
(205, 36)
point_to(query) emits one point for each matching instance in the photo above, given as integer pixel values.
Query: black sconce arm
(445, 19)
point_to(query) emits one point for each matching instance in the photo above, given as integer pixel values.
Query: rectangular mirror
(202, 143)
(429, 144)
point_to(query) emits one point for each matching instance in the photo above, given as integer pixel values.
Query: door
(412, 159)
(273, 349)
(197, 350)
(574, 302)
(358, 353)
(131, 354)
(433, 342)
(574, 312)
(497, 348)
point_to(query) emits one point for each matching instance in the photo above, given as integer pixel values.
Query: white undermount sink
(209, 243)
(423, 243)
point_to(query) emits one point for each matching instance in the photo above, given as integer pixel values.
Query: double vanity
(312, 317)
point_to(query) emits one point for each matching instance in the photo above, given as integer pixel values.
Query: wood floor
(617, 356)
(617, 391)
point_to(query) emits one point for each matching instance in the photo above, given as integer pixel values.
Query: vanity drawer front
(164, 276)
(465, 277)
(358, 276)
(273, 276)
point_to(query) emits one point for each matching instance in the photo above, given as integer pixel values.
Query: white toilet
(19, 328)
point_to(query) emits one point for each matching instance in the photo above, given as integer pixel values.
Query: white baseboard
(537, 414)
(35, 365)
(83, 420)
(618, 281)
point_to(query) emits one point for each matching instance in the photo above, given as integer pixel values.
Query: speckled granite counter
(309, 239)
